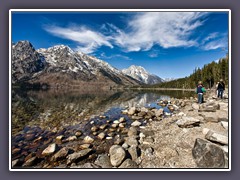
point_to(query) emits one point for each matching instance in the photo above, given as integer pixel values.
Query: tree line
(210, 74)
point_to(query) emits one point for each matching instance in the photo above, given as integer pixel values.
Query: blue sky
(168, 44)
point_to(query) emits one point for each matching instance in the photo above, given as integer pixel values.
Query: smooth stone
(210, 117)
(116, 122)
(85, 146)
(88, 140)
(72, 138)
(207, 154)
(205, 131)
(78, 133)
(122, 125)
(108, 138)
(159, 112)
(125, 145)
(59, 138)
(136, 123)
(136, 117)
(103, 160)
(114, 125)
(117, 155)
(128, 163)
(77, 155)
(61, 154)
(49, 150)
(101, 135)
(122, 119)
(94, 128)
(132, 111)
(103, 126)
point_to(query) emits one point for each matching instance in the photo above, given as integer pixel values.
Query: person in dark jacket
(221, 88)
(200, 90)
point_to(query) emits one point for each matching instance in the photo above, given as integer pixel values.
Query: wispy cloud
(143, 31)
(214, 41)
(166, 29)
(115, 56)
(88, 40)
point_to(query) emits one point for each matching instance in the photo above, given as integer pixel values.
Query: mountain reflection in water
(57, 109)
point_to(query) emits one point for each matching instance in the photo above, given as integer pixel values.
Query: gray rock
(131, 141)
(49, 150)
(117, 155)
(77, 155)
(210, 117)
(103, 161)
(215, 137)
(222, 115)
(186, 122)
(86, 165)
(128, 163)
(133, 151)
(132, 131)
(136, 123)
(61, 154)
(207, 154)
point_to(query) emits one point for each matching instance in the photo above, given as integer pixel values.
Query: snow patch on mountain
(139, 73)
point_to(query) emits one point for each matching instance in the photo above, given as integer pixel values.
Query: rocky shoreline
(191, 136)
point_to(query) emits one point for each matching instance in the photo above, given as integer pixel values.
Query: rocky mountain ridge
(60, 65)
(139, 73)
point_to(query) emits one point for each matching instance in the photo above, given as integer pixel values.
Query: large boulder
(117, 155)
(207, 154)
(103, 161)
(186, 122)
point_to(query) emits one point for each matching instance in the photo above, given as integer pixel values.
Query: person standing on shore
(221, 88)
(200, 90)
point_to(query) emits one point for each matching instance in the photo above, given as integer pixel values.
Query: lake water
(39, 116)
(57, 109)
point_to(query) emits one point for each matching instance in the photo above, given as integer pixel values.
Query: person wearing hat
(221, 88)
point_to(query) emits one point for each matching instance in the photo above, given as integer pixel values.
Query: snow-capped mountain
(139, 73)
(62, 65)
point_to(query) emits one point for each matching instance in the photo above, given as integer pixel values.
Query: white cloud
(141, 33)
(166, 29)
(88, 40)
(115, 56)
(221, 43)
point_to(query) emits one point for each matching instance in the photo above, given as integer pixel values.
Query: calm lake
(38, 117)
(57, 109)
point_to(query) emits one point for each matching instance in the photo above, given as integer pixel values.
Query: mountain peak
(139, 73)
